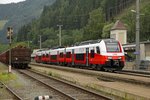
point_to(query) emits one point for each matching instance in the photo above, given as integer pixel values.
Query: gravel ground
(32, 87)
(26, 87)
(29, 88)
(5, 94)
(94, 82)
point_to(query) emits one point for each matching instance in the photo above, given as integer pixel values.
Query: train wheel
(93, 67)
(98, 67)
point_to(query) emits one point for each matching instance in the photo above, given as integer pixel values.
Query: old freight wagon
(20, 57)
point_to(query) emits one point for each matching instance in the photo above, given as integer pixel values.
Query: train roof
(95, 41)
(16, 47)
(90, 42)
(57, 47)
(83, 44)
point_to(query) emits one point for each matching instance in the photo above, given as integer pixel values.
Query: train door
(49, 60)
(64, 56)
(87, 56)
(73, 57)
(57, 57)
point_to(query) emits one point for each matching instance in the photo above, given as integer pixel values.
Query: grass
(2, 24)
(4, 76)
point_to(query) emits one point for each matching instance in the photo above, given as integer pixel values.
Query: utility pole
(137, 34)
(9, 36)
(40, 42)
(60, 27)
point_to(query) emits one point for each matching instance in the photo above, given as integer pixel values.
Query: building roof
(119, 26)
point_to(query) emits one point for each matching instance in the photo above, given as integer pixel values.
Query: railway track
(31, 89)
(16, 96)
(71, 91)
(126, 72)
(135, 73)
(124, 76)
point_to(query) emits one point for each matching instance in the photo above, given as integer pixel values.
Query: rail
(10, 90)
(72, 91)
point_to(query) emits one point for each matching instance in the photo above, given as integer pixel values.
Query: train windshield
(112, 47)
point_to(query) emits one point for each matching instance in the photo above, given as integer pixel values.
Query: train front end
(114, 55)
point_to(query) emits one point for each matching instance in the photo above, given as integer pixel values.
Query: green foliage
(2, 23)
(84, 20)
(71, 37)
(22, 33)
(3, 47)
(106, 30)
(129, 19)
(72, 14)
(145, 22)
(19, 14)
(93, 29)
(7, 77)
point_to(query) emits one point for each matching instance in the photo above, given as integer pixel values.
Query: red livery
(104, 54)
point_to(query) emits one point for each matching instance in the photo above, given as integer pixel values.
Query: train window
(98, 50)
(40, 57)
(92, 53)
(68, 55)
(80, 57)
(53, 57)
(61, 55)
(46, 55)
(112, 47)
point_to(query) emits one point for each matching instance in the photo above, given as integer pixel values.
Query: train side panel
(54, 56)
(61, 56)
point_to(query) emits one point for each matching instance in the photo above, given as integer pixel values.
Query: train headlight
(119, 57)
(109, 57)
(16, 58)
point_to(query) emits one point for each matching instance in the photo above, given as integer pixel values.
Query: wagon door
(87, 56)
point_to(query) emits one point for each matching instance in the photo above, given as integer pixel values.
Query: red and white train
(104, 54)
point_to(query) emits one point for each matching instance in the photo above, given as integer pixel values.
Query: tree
(106, 30)
(93, 29)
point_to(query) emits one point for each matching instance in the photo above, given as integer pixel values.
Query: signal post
(9, 36)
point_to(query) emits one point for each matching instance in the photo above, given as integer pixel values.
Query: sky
(10, 1)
